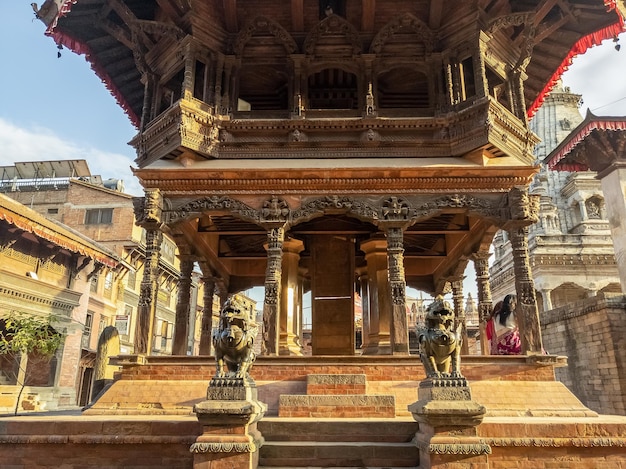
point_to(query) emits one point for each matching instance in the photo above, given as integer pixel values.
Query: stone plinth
(448, 420)
(228, 417)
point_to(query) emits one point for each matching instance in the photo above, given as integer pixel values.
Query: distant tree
(23, 336)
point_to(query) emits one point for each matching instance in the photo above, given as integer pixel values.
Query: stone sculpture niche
(440, 345)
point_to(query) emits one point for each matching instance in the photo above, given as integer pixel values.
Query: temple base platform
(327, 412)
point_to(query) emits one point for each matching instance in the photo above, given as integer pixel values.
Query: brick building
(66, 191)
(46, 270)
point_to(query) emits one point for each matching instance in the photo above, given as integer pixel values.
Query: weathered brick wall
(592, 334)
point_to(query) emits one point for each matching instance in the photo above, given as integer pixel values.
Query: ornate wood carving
(181, 325)
(481, 206)
(332, 25)
(207, 315)
(273, 277)
(335, 204)
(481, 265)
(148, 290)
(148, 209)
(262, 23)
(212, 203)
(526, 312)
(405, 21)
(397, 284)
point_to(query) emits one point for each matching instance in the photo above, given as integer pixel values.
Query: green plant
(21, 336)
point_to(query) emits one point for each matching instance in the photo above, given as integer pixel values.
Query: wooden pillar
(271, 305)
(397, 284)
(189, 73)
(459, 310)
(181, 322)
(219, 70)
(481, 265)
(332, 298)
(290, 299)
(207, 315)
(526, 313)
(379, 340)
(365, 308)
(148, 214)
(524, 211)
(147, 114)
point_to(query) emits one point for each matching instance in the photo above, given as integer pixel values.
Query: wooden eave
(596, 143)
(64, 237)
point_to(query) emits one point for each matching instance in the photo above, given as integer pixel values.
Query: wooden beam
(543, 10)
(117, 32)
(369, 13)
(230, 15)
(434, 15)
(129, 19)
(297, 15)
(169, 8)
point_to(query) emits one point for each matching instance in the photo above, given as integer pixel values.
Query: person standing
(502, 330)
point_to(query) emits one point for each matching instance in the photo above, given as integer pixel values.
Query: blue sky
(57, 108)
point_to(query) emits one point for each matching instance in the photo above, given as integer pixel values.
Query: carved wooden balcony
(191, 129)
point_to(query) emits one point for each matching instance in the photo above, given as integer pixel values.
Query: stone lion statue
(440, 346)
(233, 341)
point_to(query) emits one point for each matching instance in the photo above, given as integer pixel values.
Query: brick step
(336, 384)
(337, 406)
(367, 429)
(363, 454)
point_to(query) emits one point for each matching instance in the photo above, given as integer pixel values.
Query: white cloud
(42, 144)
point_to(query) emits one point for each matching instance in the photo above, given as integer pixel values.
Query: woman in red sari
(502, 330)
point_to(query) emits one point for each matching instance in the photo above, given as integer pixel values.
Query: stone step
(367, 429)
(363, 454)
(336, 384)
(338, 406)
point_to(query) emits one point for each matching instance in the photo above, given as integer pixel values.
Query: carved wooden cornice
(182, 185)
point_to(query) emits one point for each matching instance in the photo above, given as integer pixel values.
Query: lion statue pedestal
(229, 437)
(447, 415)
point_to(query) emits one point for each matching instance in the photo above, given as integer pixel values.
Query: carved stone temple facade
(571, 248)
(330, 146)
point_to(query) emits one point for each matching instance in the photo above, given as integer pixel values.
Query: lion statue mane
(233, 341)
(440, 345)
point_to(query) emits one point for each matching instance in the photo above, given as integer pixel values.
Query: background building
(47, 271)
(66, 192)
(571, 249)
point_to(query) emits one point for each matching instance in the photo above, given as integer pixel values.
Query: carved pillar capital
(523, 208)
(149, 209)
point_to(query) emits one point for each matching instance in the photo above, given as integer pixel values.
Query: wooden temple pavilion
(333, 146)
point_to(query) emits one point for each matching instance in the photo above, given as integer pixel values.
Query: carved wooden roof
(118, 36)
